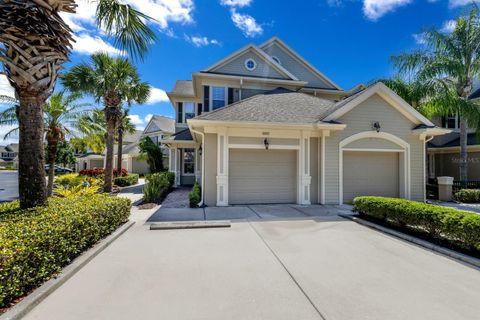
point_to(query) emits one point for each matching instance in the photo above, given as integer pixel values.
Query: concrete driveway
(310, 268)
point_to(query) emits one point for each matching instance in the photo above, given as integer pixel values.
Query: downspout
(426, 160)
(201, 203)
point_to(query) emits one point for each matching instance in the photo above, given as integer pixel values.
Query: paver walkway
(178, 198)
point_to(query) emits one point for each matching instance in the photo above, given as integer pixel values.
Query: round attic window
(276, 59)
(250, 64)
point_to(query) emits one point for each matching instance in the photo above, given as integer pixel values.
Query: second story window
(189, 111)
(218, 97)
(451, 122)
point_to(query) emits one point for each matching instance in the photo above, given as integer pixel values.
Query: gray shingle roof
(182, 135)
(164, 123)
(276, 106)
(183, 87)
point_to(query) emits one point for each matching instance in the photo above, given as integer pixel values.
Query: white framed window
(188, 111)
(219, 96)
(452, 122)
(250, 64)
(188, 166)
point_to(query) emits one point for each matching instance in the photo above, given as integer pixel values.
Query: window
(188, 161)
(451, 122)
(276, 59)
(189, 111)
(218, 97)
(250, 64)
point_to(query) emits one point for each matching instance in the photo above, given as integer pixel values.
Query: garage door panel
(370, 174)
(262, 176)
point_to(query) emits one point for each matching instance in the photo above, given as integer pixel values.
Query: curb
(19, 310)
(423, 243)
(189, 225)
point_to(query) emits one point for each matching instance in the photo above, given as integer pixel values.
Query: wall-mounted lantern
(265, 142)
(376, 126)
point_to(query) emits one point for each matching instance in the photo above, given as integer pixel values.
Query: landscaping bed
(448, 227)
(157, 186)
(37, 243)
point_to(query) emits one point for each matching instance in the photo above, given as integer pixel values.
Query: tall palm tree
(124, 126)
(60, 114)
(92, 129)
(446, 69)
(36, 43)
(113, 81)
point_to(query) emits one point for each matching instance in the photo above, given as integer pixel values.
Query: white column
(304, 177)
(222, 167)
(172, 165)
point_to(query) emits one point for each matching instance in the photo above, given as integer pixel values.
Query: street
(8, 185)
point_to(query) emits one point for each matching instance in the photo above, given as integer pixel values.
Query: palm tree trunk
(52, 154)
(120, 150)
(31, 155)
(463, 152)
(109, 156)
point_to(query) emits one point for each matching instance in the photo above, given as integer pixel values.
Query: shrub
(468, 195)
(449, 224)
(77, 191)
(157, 186)
(195, 195)
(95, 172)
(70, 180)
(129, 180)
(36, 243)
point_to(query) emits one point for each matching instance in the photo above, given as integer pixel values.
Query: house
(444, 151)
(158, 129)
(263, 126)
(9, 152)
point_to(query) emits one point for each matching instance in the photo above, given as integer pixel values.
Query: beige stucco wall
(210, 154)
(360, 119)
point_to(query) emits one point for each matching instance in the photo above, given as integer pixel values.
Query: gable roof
(276, 106)
(160, 123)
(299, 58)
(132, 137)
(252, 48)
(183, 88)
(344, 106)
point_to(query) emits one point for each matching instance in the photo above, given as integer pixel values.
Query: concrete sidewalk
(317, 268)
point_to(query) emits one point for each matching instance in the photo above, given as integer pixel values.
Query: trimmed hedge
(36, 243)
(195, 195)
(458, 227)
(70, 180)
(468, 196)
(129, 180)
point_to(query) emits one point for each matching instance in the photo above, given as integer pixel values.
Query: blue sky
(350, 41)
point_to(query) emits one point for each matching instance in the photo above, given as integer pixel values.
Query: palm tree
(412, 92)
(113, 81)
(124, 125)
(60, 112)
(92, 130)
(446, 69)
(36, 43)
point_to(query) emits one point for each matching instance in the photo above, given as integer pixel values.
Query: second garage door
(262, 176)
(370, 174)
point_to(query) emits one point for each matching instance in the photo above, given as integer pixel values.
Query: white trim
(390, 96)
(245, 64)
(299, 58)
(373, 150)
(260, 146)
(182, 162)
(381, 135)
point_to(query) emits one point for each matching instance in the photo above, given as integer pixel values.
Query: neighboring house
(158, 129)
(265, 126)
(444, 151)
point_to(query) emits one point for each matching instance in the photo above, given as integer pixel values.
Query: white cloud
(247, 24)
(236, 3)
(157, 95)
(141, 128)
(448, 26)
(148, 117)
(375, 9)
(199, 41)
(419, 38)
(5, 88)
(460, 3)
(135, 119)
(87, 44)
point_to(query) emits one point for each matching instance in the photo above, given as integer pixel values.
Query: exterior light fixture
(376, 126)
(265, 142)
(200, 150)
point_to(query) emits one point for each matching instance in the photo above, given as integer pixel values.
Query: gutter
(201, 203)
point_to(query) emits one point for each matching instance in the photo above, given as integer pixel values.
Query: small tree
(153, 154)
(65, 154)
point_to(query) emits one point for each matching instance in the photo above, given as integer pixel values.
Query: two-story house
(263, 125)
(444, 151)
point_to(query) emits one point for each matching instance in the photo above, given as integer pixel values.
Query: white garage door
(370, 174)
(262, 176)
